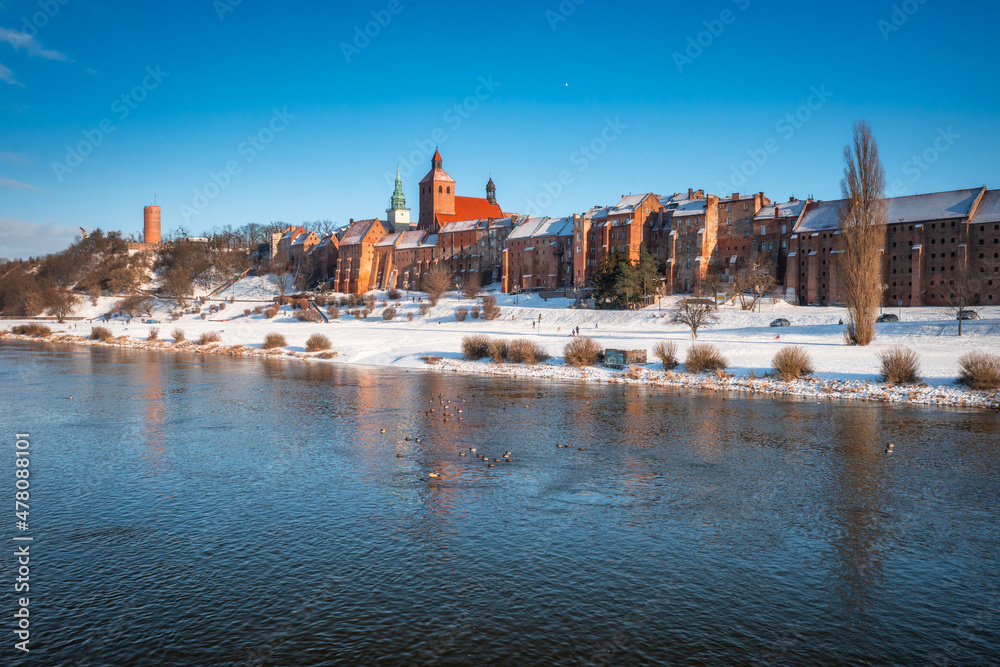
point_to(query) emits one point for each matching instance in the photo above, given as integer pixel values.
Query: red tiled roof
(471, 208)
(437, 155)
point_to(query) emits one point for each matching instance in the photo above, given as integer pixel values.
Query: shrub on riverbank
(666, 352)
(209, 337)
(154, 334)
(499, 349)
(273, 340)
(475, 347)
(582, 352)
(705, 358)
(525, 351)
(980, 370)
(178, 335)
(899, 365)
(32, 329)
(318, 343)
(792, 363)
(101, 333)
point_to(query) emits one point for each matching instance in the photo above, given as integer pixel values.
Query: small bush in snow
(209, 337)
(491, 310)
(178, 335)
(270, 312)
(307, 316)
(369, 300)
(333, 312)
(424, 309)
(499, 349)
(273, 340)
(101, 333)
(388, 314)
(395, 295)
(475, 347)
(461, 313)
(36, 329)
(704, 358)
(246, 312)
(666, 352)
(899, 365)
(526, 351)
(582, 352)
(318, 343)
(980, 370)
(154, 333)
(475, 312)
(792, 363)
(409, 317)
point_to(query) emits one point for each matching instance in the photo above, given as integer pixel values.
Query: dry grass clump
(307, 316)
(525, 351)
(36, 329)
(491, 310)
(154, 333)
(792, 363)
(388, 314)
(634, 372)
(499, 349)
(431, 360)
(705, 358)
(274, 340)
(328, 355)
(582, 352)
(899, 365)
(333, 312)
(318, 343)
(178, 335)
(666, 352)
(980, 370)
(461, 313)
(101, 333)
(475, 347)
(209, 337)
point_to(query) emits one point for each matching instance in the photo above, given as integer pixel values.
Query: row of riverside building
(930, 240)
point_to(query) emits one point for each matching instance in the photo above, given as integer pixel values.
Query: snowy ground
(745, 338)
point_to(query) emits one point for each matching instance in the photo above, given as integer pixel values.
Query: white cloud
(19, 40)
(8, 76)
(20, 239)
(9, 183)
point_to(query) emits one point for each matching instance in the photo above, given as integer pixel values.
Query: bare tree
(752, 282)
(863, 218)
(713, 283)
(436, 282)
(61, 303)
(963, 294)
(472, 284)
(694, 315)
(282, 277)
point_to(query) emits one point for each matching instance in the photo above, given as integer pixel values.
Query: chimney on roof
(690, 193)
(736, 195)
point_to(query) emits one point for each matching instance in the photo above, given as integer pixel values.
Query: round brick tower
(151, 225)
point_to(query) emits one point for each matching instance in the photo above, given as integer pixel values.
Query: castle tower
(437, 194)
(151, 225)
(397, 214)
(491, 192)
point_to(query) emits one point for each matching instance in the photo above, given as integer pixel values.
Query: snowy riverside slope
(745, 338)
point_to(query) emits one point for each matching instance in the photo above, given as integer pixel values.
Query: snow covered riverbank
(744, 338)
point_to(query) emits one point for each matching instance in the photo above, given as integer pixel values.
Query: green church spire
(398, 202)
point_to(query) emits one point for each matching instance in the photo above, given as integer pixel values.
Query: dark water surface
(182, 516)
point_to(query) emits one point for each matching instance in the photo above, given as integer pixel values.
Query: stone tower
(491, 192)
(397, 215)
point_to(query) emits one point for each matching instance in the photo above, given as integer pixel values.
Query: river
(212, 511)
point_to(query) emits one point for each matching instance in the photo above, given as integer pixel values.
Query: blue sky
(608, 98)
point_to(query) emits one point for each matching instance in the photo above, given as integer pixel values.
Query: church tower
(397, 215)
(437, 194)
(491, 192)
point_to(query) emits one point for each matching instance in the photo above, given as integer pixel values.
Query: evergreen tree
(609, 280)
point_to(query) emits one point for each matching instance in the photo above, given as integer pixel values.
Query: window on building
(449, 189)
(746, 233)
(763, 230)
(784, 229)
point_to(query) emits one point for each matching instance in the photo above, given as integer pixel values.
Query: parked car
(887, 317)
(967, 315)
(781, 322)
(151, 322)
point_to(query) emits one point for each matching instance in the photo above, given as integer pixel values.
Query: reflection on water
(238, 512)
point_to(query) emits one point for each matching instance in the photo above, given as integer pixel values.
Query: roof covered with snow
(410, 240)
(464, 226)
(989, 208)
(357, 231)
(629, 203)
(388, 240)
(690, 207)
(788, 209)
(952, 205)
